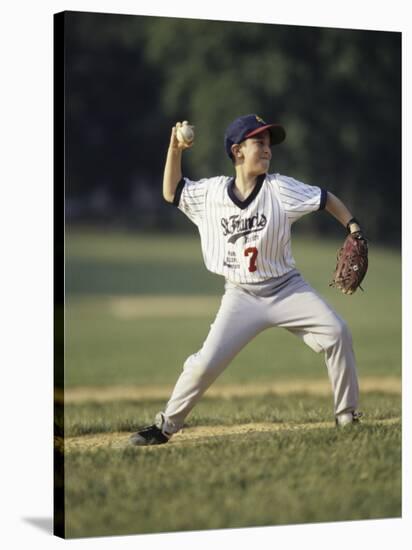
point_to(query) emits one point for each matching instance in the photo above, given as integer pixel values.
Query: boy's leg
(303, 312)
(239, 319)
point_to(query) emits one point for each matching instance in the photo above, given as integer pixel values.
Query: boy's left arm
(339, 211)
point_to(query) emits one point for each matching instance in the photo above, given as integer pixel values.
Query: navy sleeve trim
(178, 192)
(323, 199)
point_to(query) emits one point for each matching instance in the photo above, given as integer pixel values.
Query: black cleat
(150, 435)
(349, 418)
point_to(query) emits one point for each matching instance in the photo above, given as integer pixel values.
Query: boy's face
(256, 153)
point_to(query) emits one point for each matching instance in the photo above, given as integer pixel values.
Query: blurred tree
(111, 103)
(336, 91)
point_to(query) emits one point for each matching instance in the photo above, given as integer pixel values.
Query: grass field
(261, 447)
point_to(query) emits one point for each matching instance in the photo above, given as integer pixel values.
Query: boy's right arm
(173, 167)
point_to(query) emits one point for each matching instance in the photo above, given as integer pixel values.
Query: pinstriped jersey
(247, 241)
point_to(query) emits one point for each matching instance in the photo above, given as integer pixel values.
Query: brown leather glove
(352, 263)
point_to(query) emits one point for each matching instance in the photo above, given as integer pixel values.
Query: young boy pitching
(245, 229)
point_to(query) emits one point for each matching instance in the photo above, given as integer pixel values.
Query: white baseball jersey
(247, 241)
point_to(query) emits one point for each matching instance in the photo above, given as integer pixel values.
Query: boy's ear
(236, 152)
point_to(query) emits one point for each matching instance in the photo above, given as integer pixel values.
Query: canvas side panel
(59, 232)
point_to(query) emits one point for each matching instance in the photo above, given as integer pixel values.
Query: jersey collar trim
(250, 198)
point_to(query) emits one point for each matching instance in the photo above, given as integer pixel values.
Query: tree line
(130, 78)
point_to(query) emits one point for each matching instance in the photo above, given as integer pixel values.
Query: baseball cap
(250, 125)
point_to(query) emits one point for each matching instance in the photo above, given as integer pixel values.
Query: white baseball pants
(295, 306)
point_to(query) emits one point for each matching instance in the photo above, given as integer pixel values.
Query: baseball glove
(352, 263)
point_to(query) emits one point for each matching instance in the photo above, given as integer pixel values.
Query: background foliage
(130, 78)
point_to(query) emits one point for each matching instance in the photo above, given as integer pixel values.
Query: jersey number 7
(252, 251)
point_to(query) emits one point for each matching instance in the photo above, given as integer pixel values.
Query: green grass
(99, 263)
(102, 349)
(285, 477)
(290, 476)
(152, 351)
(118, 264)
(92, 417)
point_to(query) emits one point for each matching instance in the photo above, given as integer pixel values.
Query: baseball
(185, 133)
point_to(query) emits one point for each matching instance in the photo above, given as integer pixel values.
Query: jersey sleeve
(299, 198)
(190, 198)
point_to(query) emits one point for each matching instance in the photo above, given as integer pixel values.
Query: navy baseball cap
(248, 126)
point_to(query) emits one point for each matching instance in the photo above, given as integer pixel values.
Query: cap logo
(260, 119)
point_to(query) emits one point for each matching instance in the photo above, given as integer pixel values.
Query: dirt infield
(391, 385)
(197, 434)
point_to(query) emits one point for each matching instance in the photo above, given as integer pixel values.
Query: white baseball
(185, 133)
